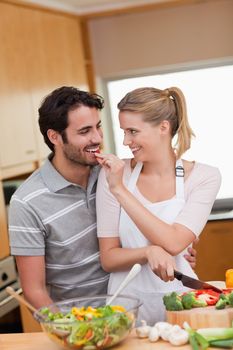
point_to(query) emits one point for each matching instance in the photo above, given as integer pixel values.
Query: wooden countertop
(39, 341)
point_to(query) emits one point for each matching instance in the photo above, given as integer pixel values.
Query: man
(52, 222)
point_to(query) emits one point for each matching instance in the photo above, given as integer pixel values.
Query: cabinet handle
(30, 151)
(8, 299)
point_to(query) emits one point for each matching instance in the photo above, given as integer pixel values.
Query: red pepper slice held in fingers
(97, 152)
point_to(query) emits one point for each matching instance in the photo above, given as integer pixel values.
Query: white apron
(147, 286)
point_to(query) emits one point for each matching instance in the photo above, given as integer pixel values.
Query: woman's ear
(54, 136)
(165, 127)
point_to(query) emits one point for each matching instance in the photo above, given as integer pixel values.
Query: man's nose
(97, 136)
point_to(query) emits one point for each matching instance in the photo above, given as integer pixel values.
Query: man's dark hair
(53, 112)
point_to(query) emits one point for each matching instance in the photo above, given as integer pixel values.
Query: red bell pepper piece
(211, 297)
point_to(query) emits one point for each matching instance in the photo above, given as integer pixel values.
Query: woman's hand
(161, 262)
(114, 168)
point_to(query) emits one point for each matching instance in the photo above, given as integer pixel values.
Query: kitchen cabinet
(56, 60)
(215, 250)
(40, 51)
(17, 141)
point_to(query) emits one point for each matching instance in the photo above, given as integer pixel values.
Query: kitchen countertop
(39, 341)
(227, 215)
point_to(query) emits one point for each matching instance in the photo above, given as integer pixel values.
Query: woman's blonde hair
(157, 105)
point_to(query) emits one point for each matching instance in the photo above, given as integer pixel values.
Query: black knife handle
(178, 275)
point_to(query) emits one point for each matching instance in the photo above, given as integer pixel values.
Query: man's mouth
(92, 149)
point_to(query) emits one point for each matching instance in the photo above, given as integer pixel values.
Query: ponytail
(184, 132)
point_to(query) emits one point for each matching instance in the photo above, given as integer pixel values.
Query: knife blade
(194, 283)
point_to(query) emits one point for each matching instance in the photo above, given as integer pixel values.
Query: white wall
(125, 44)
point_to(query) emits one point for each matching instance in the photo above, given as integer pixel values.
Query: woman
(152, 207)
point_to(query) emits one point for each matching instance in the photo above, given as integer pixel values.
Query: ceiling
(84, 7)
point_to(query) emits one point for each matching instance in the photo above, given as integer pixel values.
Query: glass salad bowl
(88, 323)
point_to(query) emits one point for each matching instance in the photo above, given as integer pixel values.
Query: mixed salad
(89, 328)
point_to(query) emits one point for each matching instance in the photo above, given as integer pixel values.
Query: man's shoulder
(33, 183)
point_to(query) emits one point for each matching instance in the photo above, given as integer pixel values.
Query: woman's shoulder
(206, 169)
(199, 172)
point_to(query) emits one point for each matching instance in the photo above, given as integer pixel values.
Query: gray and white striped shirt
(52, 217)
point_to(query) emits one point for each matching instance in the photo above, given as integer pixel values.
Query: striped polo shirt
(52, 217)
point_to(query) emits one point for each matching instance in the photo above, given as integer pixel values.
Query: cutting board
(202, 317)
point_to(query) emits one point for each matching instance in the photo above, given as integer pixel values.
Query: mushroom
(153, 334)
(143, 330)
(178, 336)
(163, 329)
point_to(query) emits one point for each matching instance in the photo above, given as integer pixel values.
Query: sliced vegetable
(207, 295)
(190, 300)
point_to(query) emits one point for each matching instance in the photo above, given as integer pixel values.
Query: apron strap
(179, 179)
(134, 176)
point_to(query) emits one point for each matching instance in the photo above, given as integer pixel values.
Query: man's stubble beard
(73, 155)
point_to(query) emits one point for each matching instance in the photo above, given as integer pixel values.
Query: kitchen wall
(129, 43)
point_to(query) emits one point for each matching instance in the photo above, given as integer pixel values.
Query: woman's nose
(126, 140)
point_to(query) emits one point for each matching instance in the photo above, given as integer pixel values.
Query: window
(208, 93)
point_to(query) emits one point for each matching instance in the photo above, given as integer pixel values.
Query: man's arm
(32, 277)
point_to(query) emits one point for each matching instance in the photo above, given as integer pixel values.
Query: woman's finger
(163, 275)
(170, 272)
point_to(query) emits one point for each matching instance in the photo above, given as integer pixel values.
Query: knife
(194, 283)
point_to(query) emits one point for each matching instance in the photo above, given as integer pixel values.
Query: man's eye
(82, 132)
(99, 126)
(133, 131)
